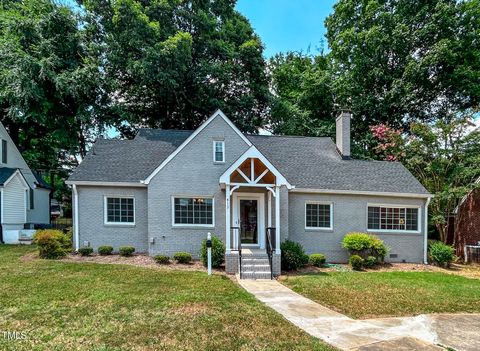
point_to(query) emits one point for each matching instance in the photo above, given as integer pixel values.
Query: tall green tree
(303, 97)
(48, 83)
(399, 61)
(171, 63)
(445, 158)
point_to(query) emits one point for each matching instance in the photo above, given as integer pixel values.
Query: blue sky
(288, 25)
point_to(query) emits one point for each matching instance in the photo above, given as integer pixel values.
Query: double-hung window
(392, 218)
(31, 199)
(193, 211)
(119, 210)
(219, 151)
(318, 215)
(4, 151)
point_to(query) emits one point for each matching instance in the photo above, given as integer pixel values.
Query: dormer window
(219, 151)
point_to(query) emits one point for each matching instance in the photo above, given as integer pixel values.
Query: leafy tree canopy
(445, 158)
(401, 61)
(303, 98)
(48, 83)
(171, 63)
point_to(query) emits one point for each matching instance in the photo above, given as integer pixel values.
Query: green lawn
(378, 294)
(73, 306)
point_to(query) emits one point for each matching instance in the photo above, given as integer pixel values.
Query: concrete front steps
(255, 265)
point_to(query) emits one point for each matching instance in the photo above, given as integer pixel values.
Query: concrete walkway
(423, 332)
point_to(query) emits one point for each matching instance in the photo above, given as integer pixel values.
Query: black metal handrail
(270, 248)
(239, 248)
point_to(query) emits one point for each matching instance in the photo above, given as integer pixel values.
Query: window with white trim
(318, 215)
(218, 151)
(193, 211)
(392, 218)
(119, 210)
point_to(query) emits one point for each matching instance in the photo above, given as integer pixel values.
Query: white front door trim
(260, 197)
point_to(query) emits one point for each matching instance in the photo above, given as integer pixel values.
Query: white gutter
(425, 243)
(115, 184)
(75, 218)
(359, 192)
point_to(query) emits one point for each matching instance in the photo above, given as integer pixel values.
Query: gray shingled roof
(128, 160)
(314, 163)
(306, 162)
(6, 173)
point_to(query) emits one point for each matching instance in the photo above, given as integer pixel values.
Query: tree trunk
(441, 231)
(52, 184)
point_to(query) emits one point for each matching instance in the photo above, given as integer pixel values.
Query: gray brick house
(163, 191)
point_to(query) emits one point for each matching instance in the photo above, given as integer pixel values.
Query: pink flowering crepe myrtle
(390, 142)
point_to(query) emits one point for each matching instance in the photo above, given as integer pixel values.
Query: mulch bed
(469, 271)
(139, 260)
(143, 260)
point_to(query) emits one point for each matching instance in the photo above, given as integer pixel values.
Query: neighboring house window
(32, 199)
(4, 151)
(318, 215)
(219, 151)
(392, 218)
(119, 210)
(193, 211)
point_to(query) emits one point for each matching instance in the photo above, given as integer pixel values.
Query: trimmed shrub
(218, 252)
(105, 250)
(317, 259)
(126, 251)
(69, 234)
(162, 259)
(51, 243)
(441, 254)
(293, 255)
(356, 262)
(364, 245)
(85, 251)
(431, 242)
(357, 242)
(379, 250)
(183, 257)
(370, 261)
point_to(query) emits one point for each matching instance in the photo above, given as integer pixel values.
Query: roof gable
(217, 114)
(253, 152)
(14, 156)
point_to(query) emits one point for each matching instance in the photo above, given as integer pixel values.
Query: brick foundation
(231, 263)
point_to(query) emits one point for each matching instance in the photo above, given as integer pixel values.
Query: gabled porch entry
(248, 211)
(252, 192)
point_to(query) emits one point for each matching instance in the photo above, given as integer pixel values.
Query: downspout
(75, 217)
(425, 243)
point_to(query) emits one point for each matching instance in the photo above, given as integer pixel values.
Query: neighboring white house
(24, 196)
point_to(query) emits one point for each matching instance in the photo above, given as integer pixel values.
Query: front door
(249, 217)
(249, 221)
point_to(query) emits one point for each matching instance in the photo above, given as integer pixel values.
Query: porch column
(277, 219)
(227, 219)
(269, 203)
